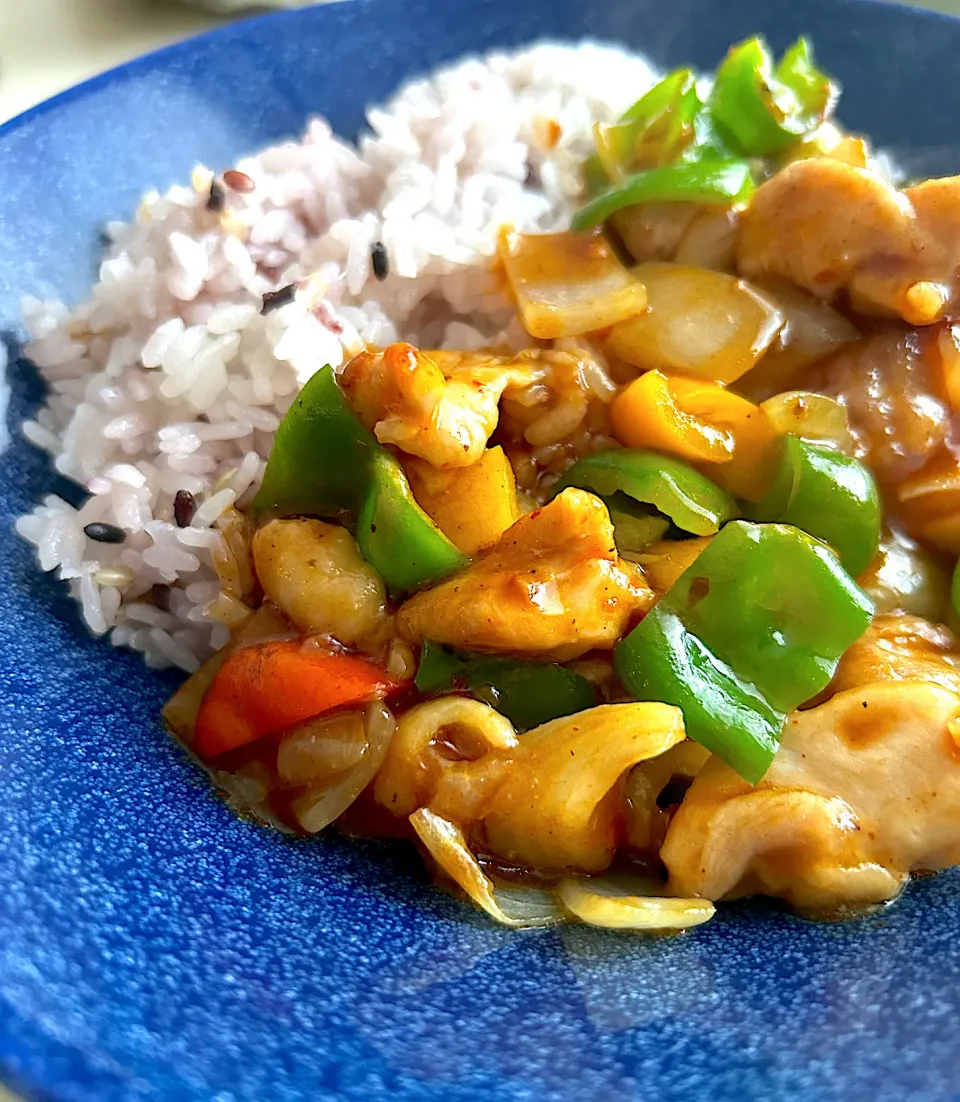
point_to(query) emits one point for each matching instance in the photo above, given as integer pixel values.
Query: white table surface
(48, 45)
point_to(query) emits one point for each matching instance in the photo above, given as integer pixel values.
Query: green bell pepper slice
(830, 496)
(635, 526)
(325, 463)
(752, 629)
(656, 130)
(527, 693)
(672, 487)
(765, 109)
(716, 183)
(321, 455)
(396, 536)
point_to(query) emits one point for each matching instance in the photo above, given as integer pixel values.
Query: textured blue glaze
(153, 946)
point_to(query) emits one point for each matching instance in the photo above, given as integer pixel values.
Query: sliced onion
(321, 748)
(509, 905)
(321, 804)
(905, 577)
(566, 284)
(620, 903)
(710, 240)
(699, 322)
(811, 331)
(813, 417)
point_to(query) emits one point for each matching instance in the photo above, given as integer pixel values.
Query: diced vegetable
(929, 503)
(763, 109)
(654, 231)
(527, 693)
(663, 562)
(906, 577)
(811, 331)
(321, 747)
(690, 500)
(182, 709)
(697, 322)
(710, 241)
(654, 131)
(397, 537)
(635, 526)
(473, 506)
(702, 423)
(622, 903)
(324, 462)
(329, 795)
(517, 907)
(955, 589)
(268, 688)
(319, 461)
(828, 495)
(816, 418)
(711, 182)
(566, 284)
(752, 629)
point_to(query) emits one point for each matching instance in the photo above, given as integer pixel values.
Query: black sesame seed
(218, 197)
(105, 533)
(380, 259)
(273, 300)
(184, 506)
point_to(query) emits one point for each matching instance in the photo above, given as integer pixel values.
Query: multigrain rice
(171, 378)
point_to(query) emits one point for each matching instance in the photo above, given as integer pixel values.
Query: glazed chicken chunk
(553, 587)
(864, 789)
(440, 406)
(830, 227)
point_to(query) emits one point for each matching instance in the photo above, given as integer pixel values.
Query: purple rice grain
(238, 181)
(380, 259)
(184, 506)
(273, 300)
(104, 533)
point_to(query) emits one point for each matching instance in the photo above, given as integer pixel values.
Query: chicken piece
(553, 587)
(440, 406)
(900, 648)
(864, 789)
(830, 227)
(314, 573)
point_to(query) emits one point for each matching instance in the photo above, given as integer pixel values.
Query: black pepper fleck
(380, 259)
(184, 506)
(273, 300)
(105, 533)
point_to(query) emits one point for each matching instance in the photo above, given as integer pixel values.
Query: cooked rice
(169, 377)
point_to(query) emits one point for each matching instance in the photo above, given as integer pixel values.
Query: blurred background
(48, 45)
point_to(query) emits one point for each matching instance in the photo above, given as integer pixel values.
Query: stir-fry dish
(656, 610)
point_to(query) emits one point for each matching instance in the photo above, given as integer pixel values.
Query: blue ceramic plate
(152, 945)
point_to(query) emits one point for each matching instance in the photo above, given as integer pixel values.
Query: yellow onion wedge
(326, 800)
(566, 284)
(620, 904)
(511, 906)
(813, 417)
